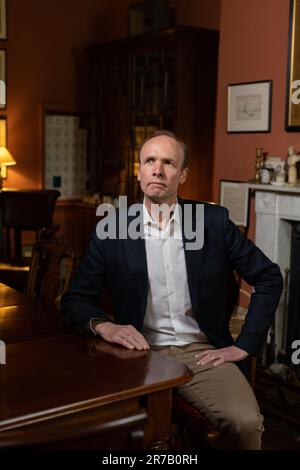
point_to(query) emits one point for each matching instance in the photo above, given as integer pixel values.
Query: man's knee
(247, 424)
(245, 430)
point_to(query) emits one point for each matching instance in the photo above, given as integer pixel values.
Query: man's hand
(126, 335)
(102, 346)
(219, 356)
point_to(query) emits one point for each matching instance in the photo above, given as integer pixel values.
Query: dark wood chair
(53, 264)
(22, 210)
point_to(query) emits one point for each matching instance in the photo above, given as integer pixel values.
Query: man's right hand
(126, 335)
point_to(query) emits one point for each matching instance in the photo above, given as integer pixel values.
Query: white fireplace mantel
(278, 188)
(276, 207)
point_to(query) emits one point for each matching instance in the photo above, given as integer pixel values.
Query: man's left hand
(219, 356)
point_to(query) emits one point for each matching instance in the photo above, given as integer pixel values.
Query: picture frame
(148, 16)
(292, 115)
(249, 107)
(139, 18)
(3, 93)
(3, 141)
(3, 131)
(3, 20)
(234, 195)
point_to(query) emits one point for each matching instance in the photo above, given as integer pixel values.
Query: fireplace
(293, 305)
(278, 235)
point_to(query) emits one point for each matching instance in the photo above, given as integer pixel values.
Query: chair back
(25, 210)
(53, 264)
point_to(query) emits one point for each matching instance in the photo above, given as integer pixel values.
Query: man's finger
(143, 342)
(138, 337)
(125, 343)
(202, 354)
(136, 342)
(206, 359)
(218, 362)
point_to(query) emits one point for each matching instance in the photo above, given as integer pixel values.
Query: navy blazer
(121, 266)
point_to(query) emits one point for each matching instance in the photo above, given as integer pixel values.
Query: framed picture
(292, 119)
(3, 31)
(3, 141)
(234, 195)
(139, 18)
(249, 107)
(148, 16)
(3, 132)
(2, 79)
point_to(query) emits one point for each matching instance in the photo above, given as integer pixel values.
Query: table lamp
(6, 159)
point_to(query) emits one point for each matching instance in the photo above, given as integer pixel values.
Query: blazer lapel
(137, 262)
(193, 258)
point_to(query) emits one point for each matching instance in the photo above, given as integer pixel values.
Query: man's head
(162, 167)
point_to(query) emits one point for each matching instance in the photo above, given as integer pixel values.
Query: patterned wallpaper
(65, 155)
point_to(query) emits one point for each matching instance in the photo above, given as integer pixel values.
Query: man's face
(160, 169)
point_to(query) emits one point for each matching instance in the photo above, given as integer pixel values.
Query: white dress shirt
(168, 319)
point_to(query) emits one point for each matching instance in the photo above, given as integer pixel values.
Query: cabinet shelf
(166, 80)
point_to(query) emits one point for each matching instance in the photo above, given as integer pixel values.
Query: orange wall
(201, 13)
(46, 64)
(253, 46)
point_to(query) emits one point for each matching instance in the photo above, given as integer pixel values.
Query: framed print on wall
(2, 78)
(234, 195)
(3, 31)
(3, 132)
(249, 107)
(292, 119)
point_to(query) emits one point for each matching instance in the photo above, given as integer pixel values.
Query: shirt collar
(147, 219)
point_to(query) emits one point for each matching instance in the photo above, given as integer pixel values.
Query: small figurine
(292, 159)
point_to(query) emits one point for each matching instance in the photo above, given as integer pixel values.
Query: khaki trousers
(223, 394)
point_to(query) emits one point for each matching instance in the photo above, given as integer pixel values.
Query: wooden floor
(280, 404)
(278, 436)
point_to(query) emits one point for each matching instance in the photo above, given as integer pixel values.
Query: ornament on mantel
(292, 159)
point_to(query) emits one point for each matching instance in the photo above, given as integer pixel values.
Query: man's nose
(158, 169)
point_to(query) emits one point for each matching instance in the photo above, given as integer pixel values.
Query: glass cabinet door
(152, 101)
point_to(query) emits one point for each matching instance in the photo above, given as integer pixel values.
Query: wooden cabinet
(162, 80)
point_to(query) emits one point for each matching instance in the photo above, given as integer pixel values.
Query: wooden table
(22, 320)
(74, 391)
(9, 296)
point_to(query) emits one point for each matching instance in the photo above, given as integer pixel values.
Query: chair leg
(214, 439)
(196, 440)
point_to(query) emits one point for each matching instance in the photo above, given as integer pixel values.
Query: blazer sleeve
(261, 273)
(81, 302)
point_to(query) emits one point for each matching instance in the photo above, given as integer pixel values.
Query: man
(174, 299)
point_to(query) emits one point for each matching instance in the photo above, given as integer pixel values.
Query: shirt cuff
(99, 320)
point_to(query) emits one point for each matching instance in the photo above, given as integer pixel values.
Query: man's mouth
(157, 183)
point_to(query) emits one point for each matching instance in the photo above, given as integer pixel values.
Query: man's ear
(183, 176)
(139, 174)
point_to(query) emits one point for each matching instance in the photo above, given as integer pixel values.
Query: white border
(230, 199)
(247, 89)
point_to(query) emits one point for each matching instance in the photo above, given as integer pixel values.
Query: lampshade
(6, 158)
